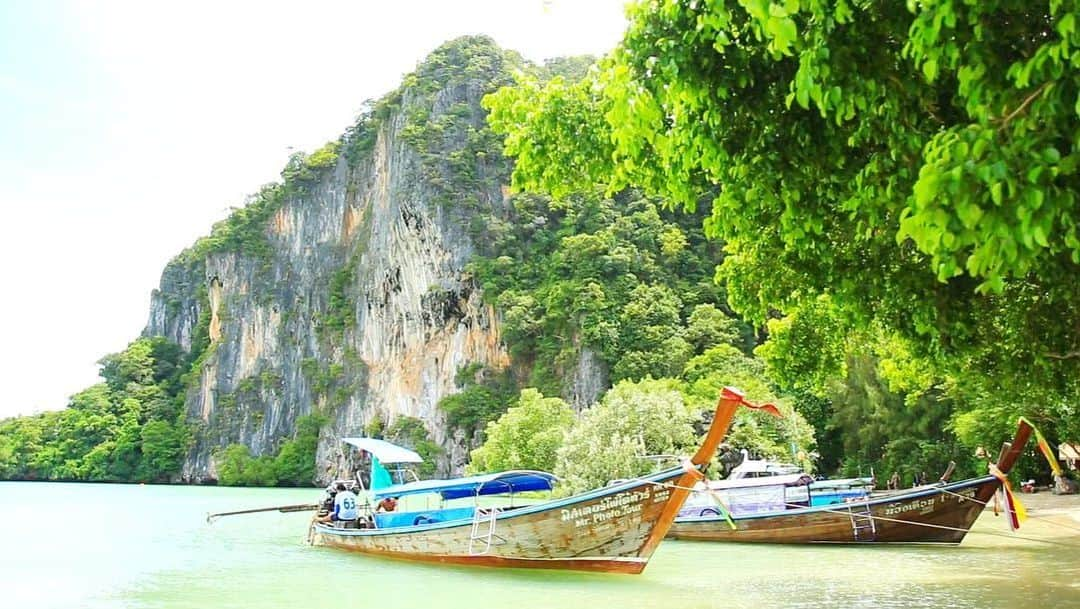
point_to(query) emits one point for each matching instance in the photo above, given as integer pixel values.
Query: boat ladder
(862, 522)
(480, 538)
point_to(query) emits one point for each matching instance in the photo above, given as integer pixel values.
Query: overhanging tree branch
(1027, 101)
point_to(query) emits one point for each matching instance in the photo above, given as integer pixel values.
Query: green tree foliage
(651, 332)
(527, 436)
(916, 162)
(292, 465)
(473, 407)
(237, 467)
(163, 446)
(805, 350)
(8, 457)
(891, 431)
(602, 273)
(633, 420)
(881, 408)
(709, 327)
(789, 438)
(412, 433)
(128, 428)
(483, 397)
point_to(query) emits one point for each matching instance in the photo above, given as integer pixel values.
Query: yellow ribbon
(1044, 447)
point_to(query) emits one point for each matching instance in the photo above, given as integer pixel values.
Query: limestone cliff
(347, 296)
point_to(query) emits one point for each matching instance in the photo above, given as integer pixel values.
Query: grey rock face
(415, 317)
(354, 302)
(590, 379)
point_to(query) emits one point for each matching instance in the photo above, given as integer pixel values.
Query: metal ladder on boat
(480, 537)
(862, 522)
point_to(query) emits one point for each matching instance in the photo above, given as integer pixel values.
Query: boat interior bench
(390, 520)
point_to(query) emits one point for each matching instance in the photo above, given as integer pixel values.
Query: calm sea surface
(93, 546)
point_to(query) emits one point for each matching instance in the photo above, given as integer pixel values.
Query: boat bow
(726, 407)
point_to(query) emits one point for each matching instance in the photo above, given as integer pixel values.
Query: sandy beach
(1050, 517)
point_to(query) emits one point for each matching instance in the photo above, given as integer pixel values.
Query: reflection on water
(68, 545)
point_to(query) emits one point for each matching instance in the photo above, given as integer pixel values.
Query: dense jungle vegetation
(130, 427)
(894, 185)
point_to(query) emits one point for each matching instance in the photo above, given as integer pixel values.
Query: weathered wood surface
(303, 507)
(922, 515)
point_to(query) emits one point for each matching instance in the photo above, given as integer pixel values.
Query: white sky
(128, 128)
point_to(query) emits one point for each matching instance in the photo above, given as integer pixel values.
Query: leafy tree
(132, 365)
(484, 396)
(789, 438)
(874, 405)
(163, 448)
(8, 458)
(651, 335)
(632, 421)
(125, 429)
(806, 349)
(412, 433)
(527, 436)
(294, 464)
(917, 163)
(598, 274)
(709, 327)
(891, 431)
(237, 467)
(126, 452)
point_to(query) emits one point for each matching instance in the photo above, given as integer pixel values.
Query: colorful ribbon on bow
(1015, 510)
(1044, 447)
(720, 507)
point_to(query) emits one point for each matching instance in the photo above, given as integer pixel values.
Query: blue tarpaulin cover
(486, 484)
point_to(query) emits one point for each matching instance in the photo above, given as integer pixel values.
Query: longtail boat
(611, 529)
(941, 513)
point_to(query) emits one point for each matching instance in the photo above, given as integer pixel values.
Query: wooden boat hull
(938, 514)
(605, 530)
(613, 529)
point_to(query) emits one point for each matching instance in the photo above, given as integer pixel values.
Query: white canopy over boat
(385, 451)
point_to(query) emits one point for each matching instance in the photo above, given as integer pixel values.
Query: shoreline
(1050, 517)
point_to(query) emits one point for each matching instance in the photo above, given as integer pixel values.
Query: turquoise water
(121, 546)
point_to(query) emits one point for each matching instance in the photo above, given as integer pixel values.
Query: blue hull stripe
(522, 511)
